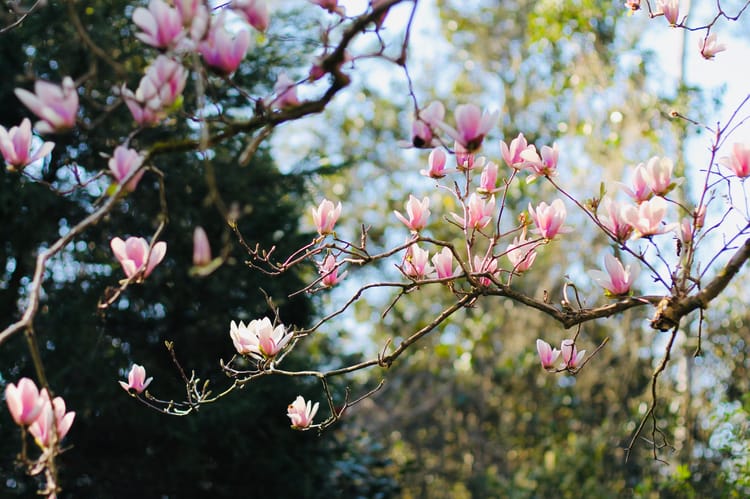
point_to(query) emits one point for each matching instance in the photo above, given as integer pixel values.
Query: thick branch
(671, 310)
(569, 317)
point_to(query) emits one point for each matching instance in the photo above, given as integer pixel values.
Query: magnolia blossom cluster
(641, 217)
(47, 419)
(325, 217)
(570, 357)
(55, 105)
(478, 207)
(644, 217)
(188, 24)
(189, 27)
(472, 125)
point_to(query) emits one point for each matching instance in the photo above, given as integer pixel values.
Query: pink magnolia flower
(478, 212)
(641, 190)
(286, 92)
(16, 146)
(549, 218)
(571, 357)
(487, 265)
(53, 422)
(244, 339)
(417, 262)
(165, 81)
(547, 354)
(136, 379)
(541, 166)
(325, 216)
(659, 175)
(329, 269)
(201, 248)
(443, 262)
(512, 155)
(259, 338)
(427, 121)
(159, 89)
(223, 51)
(471, 126)
(613, 219)
(709, 46)
(617, 280)
(136, 257)
(331, 6)
(255, 12)
(738, 161)
(691, 225)
(521, 254)
(700, 216)
(123, 162)
(418, 212)
(24, 401)
(685, 230)
(646, 218)
(670, 9)
(464, 158)
(488, 179)
(143, 114)
(301, 413)
(55, 105)
(161, 24)
(436, 161)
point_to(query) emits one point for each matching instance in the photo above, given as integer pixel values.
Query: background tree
(118, 448)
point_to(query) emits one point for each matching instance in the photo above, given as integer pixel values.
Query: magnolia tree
(689, 247)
